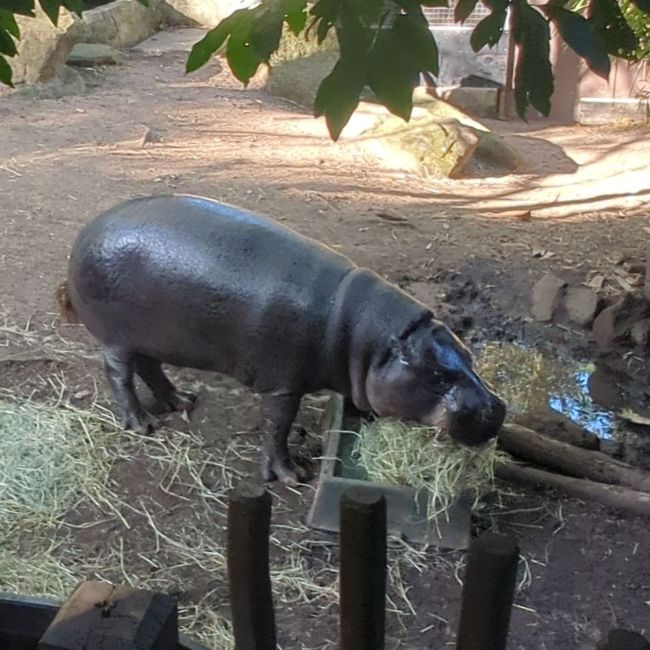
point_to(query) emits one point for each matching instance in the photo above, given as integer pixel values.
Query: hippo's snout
(473, 417)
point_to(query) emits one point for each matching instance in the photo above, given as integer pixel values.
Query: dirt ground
(584, 568)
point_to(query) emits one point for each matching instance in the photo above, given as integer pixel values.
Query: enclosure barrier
(99, 615)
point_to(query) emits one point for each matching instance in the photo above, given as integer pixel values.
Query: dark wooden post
(362, 570)
(625, 640)
(251, 600)
(488, 593)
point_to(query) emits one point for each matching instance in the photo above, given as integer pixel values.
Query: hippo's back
(198, 283)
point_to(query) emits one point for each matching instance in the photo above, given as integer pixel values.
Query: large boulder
(202, 13)
(43, 48)
(299, 65)
(438, 140)
(299, 79)
(122, 23)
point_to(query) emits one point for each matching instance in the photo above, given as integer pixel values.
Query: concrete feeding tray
(406, 510)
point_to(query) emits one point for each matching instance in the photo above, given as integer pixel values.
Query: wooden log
(362, 570)
(488, 593)
(100, 615)
(531, 446)
(249, 580)
(614, 496)
(625, 640)
(558, 427)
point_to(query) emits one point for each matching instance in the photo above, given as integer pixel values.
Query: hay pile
(392, 451)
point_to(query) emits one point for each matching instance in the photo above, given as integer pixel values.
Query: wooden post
(646, 286)
(625, 640)
(251, 599)
(99, 615)
(488, 593)
(362, 570)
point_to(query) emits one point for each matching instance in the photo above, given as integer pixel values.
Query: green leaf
(211, 42)
(463, 9)
(144, 3)
(577, 33)
(266, 28)
(75, 6)
(296, 21)
(51, 8)
(392, 73)
(369, 12)
(295, 14)
(338, 95)
(21, 7)
(416, 38)
(8, 22)
(610, 25)
(5, 73)
(7, 45)
(243, 57)
(534, 82)
(434, 3)
(327, 9)
(488, 31)
(323, 28)
(643, 5)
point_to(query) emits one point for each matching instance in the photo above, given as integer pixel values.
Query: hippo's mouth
(469, 427)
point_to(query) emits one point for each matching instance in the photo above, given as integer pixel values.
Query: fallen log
(613, 496)
(558, 427)
(531, 446)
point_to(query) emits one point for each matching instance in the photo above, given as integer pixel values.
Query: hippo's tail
(66, 307)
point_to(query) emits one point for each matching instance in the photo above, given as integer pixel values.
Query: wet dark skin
(195, 283)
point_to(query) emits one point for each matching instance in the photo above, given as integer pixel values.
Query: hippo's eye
(449, 359)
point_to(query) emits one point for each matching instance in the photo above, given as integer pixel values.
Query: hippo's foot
(143, 423)
(181, 401)
(285, 471)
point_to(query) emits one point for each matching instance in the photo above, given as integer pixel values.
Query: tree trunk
(533, 447)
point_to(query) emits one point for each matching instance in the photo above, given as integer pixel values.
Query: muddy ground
(585, 568)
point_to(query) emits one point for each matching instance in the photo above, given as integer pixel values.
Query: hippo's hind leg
(152, 374)
(277, 414)
(119, 365)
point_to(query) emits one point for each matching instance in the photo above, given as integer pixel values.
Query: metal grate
(445, 16)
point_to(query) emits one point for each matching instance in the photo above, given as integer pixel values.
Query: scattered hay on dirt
(392, 451)
(80, 499)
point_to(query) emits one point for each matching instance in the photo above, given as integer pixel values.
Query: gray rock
(122, 23)
(581, 305)
(299, 79)
(174, 41)
(640, 332)
(67, 82)
(615, 322)
(547, 294)
(89, 55)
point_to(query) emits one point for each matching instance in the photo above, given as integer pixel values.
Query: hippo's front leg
(278, 411)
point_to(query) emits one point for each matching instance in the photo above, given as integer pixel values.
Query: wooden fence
(98, 615)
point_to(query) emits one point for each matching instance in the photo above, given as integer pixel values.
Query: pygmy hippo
(195, 283)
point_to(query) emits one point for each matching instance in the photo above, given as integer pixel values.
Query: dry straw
(392, 451)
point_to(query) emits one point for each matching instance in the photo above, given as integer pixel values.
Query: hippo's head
(428, 377)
